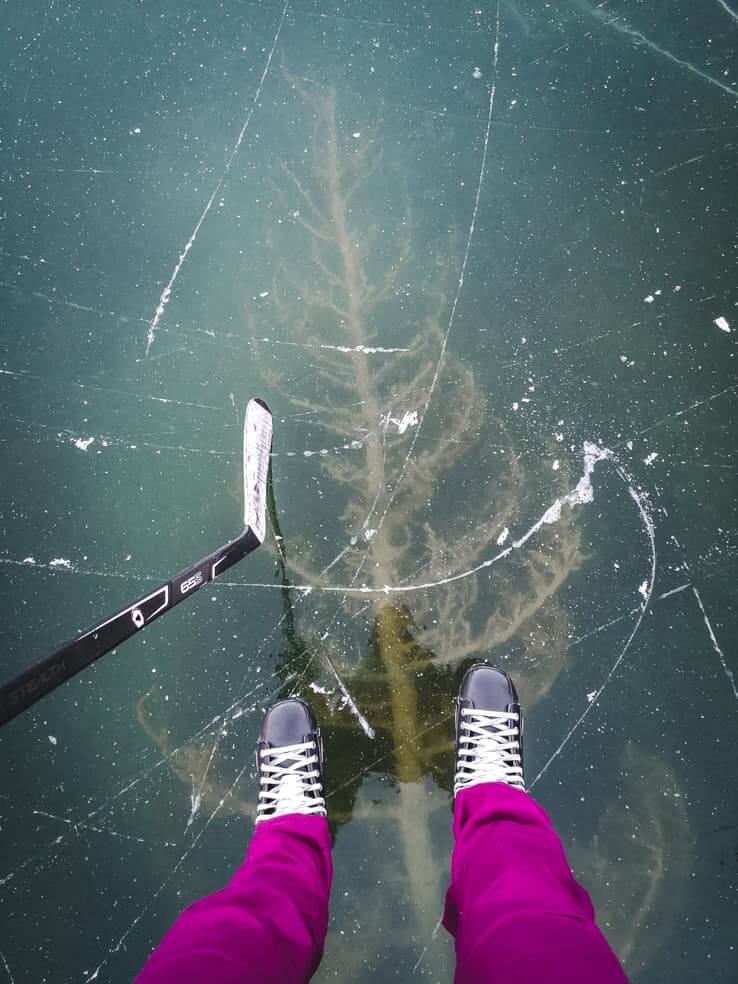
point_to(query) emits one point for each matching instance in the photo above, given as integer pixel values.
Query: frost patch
(82, 443)
(582, 494)
(317, 689)
(409, 419)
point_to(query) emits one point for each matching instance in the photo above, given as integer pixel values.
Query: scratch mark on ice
(86, 826)
(716, 646)
(623, 28)
(728, 10)
(668, 594)
(692, 160)
(145, 908)
(683, 412)
(167, 292)
(650, 530)
(582, 494)
(433, 935)
(7, 968)
(462, 273)
(65, 383)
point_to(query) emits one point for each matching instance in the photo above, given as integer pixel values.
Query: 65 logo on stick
(192, 582)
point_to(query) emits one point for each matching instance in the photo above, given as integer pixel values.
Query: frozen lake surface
(479, 259)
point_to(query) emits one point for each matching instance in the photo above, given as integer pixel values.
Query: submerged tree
(413, 512)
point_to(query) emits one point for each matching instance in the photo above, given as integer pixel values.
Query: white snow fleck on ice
(722, 323)
(61, 562)
(29, 560)
(82, 443)
(317, 689)
(643, 590)
(650, 299)
(629, 445)
(623, 358)
(370, 534)
(503, 536)
(356, 135)
(556, 465)
(477, 73)
(52, 739)
(264, 293)
(516, 406)
(409, 419)
(591, 696)
(651, 458)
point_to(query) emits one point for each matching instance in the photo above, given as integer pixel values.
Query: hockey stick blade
(47, 673)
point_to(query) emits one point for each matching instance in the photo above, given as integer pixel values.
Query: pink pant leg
(267, 925)
(515, 909)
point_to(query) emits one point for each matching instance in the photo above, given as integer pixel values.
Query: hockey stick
(47, 673)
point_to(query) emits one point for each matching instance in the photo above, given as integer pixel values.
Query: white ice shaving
(649, 460)
(643, 589)
(61, 562)
(503, 536)
(82, 443)
(364, 349)
(409, 419)
(722, 323)
(582, 493)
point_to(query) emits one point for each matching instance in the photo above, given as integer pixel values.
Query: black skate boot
(289, 761)
(489, 727)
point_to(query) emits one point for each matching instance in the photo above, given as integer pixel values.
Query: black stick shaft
(45, 675)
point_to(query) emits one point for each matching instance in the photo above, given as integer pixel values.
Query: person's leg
(268, 925)
(516, 911)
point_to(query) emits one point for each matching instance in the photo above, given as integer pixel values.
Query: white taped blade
(257, 446)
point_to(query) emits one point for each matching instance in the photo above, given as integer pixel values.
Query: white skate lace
(288, 784)
(489, 749)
